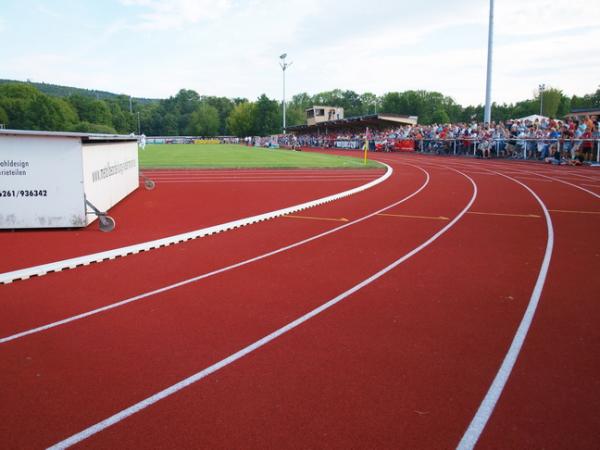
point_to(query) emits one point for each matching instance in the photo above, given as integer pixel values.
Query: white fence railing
(516, 148)
(511, 147)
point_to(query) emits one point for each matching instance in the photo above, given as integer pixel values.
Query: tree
(241, 120)
(296, 109)
(27, 108)
(224, 106)
(204, 121)
(551, 101)
(349, 100)
(440, 116)
(15, 99)
(91, 110)
(391, 102)
(564, 107)
(169, 125)
(370, 103)
(295, 115)
(587, 101)
(473, 113)
(302, 101)
(122, 120)
(3, 117)
(267, 119)
(86, 127)
(525, 108)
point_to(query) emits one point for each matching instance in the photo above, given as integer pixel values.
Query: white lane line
(144, 295)
(355, 177)
(472, 172)
(523, 171)
(566, 182)
(42, 269)
(242, 172)
(488, 404)
(366, 174)
(538, 180)
(242, 180)
(307, 177)
(544, 169)
(118, 417)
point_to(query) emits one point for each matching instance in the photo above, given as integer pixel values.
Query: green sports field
(218, 156)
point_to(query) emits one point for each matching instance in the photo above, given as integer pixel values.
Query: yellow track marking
(574, 212)
(332, 219)
(535, 216)
(406, 216)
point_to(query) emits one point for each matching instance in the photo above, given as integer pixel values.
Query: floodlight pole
(139, 127)
(542, 88)
(487, 112)
(284, 65)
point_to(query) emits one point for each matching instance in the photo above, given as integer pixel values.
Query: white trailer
(61, 179)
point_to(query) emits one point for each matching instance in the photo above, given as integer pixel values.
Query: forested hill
(42, 106)
(57, 90)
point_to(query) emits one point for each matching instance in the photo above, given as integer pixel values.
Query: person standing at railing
(566, 140)
(499, 140)
(485, 145)
(521, 144)
(538, 143)
(589, 124)
(577, 139)
(586, 146)
(552, 140)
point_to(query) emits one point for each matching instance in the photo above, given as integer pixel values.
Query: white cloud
(46, 11)
(174, 14)
(517, 17)
(231, 48)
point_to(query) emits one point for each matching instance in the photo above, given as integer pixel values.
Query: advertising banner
(41, 182)
(349, 144)
(110, 173)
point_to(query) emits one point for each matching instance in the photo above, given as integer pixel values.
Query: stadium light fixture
(284, 65)
(542, 88)
(487, 112)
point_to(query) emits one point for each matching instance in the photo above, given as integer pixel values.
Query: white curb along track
(71, 263)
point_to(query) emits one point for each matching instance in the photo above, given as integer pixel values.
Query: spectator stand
(528, 138)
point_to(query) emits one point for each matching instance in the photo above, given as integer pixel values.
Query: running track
(455, 304)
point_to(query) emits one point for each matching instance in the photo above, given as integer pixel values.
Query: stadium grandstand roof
(580, 112)
(383, 120)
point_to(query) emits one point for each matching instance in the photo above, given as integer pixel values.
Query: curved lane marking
(127, 412)
(483, 414)
(93, 312)
(564, 182)
(71, 263)
(520, 171)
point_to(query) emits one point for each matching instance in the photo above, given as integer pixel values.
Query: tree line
(24, 106)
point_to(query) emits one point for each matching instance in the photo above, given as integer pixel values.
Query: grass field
(238, 156)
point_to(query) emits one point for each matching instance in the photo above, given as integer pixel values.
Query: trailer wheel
(106, 223)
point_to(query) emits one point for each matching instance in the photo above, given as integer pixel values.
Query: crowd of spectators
(193, 140)
(556, 141)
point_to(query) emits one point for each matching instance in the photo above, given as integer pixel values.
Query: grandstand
(372, 121)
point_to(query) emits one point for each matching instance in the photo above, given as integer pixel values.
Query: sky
(231, 48)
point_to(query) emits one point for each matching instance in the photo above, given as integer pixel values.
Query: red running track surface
(183, 201)
(403, 362)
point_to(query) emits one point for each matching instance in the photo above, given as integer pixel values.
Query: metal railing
(512, 147)
(509, 147)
